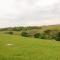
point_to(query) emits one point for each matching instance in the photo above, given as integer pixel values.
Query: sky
(29, 12)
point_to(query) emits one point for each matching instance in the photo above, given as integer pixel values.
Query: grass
(23, 48)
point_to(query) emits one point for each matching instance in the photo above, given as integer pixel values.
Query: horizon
(30, 26)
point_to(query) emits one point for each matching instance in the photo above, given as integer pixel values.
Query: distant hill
(52, 27)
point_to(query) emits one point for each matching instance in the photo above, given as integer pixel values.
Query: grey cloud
(30, 12)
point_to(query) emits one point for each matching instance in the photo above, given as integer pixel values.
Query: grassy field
(15, 47)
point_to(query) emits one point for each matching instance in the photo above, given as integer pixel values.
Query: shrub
(43, 36)
(58, 36)
(48, 32)
(40, 35)
(37, 35)
(25, 34)
(9, 33)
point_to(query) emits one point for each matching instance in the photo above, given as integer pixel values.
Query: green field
(23, 48)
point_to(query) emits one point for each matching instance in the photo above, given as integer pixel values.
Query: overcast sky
(29, 12)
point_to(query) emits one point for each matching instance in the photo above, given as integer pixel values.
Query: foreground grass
(28, 48)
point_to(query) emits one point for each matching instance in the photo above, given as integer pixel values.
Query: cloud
(38, 9)
(7, 8)
(29, 12)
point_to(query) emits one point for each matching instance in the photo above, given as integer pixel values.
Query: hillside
(13, 47)
(41, 32)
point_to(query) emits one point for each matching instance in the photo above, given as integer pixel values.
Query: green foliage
(25, 34)
(48, 32)
(40, 35)
(41, 32)
(43, 36)
(58, 36)
(37, 35)
(9, 33)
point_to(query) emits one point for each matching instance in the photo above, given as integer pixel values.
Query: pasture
(16, 47)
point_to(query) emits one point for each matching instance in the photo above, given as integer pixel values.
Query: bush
(37, 35)
(58, 36)
(9, 33)
(40, 35)
(25, 34)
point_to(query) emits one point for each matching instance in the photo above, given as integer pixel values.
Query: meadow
(16, 47)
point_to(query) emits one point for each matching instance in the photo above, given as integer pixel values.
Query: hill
(13, 47)
(42, 32)
(57, 27)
